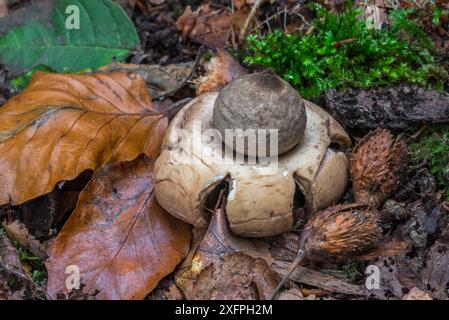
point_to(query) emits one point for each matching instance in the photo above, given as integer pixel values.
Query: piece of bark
(317, 279)
(393, 108)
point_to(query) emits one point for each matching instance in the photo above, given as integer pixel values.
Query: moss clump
(432, 150)
(353, 270)
(344, 52)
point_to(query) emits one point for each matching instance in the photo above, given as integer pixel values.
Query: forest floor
(182, 38)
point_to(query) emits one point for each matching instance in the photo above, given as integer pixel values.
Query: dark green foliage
(366, 58)
(432, 150)
(353, 270)
(38, 271)
(106, 34)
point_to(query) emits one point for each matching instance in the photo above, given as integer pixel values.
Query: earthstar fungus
(261, 197)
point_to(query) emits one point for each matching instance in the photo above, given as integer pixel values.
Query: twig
(250, 17)
(183, 82)
(418, 133)
(338, 44)
(446, 206)
(3, 8)
(299, 257)
(320, 280)
(285, 18)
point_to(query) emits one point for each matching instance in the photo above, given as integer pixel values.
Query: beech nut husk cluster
(341, 231)
(261, 196)
(377, 167)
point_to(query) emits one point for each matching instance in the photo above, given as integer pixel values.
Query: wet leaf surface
(122, 241)
(62, 125)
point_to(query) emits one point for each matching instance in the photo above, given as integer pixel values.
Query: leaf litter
(412, 256)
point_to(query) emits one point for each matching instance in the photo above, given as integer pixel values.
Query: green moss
(433, 151)
(366, 58)
(38, 270)
(353, 270)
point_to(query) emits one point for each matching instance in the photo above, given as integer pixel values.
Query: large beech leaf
(65, 124)
(37, 35)
(122, 241)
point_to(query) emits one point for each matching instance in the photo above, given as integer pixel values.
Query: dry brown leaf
(160, 80)
(417, 294)
(291, 294)
(122, 241)
(436, 273)
(225, 266)
(64, 124)
(221, 70)
(18, 232)
(206, 26)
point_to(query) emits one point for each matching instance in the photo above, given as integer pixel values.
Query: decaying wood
(394, 108)
(317, 279)
(284, 249)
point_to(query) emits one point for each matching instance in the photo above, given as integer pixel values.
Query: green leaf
(106, 34)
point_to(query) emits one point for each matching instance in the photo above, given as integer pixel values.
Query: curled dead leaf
(205, 25)
(435, 275)
(160, 80)
(225, 266)
(18, 232)
(221, 70)
(210, 27)
(62, 125)
(417, 294)
(119, 237)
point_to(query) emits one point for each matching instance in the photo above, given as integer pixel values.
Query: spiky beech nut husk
(260, 101)
(377, 167)
(341, 231)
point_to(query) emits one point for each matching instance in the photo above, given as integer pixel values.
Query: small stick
(418, 133)
(338, 44)
(300, 256)
(183, 82)
(250, 17)
(3, 8)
